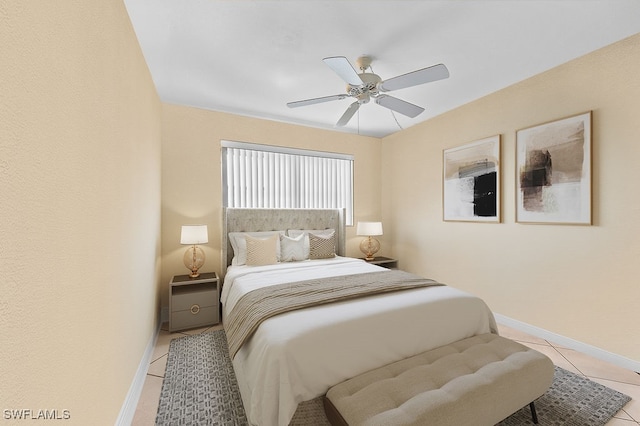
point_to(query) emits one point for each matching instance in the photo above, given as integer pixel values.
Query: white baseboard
(567, 342)
(128, 410)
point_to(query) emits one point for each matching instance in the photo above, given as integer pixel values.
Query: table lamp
(194, 256)
(369, 246)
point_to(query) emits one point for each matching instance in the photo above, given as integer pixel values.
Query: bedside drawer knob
(195, 309)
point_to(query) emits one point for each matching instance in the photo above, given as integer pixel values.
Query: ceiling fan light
(368, 85)
(364, 98)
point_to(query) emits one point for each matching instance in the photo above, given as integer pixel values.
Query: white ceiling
(252, 57)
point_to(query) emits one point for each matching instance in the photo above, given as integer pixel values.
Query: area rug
(200, 388)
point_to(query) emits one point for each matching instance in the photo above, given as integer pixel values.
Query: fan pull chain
(396, 118)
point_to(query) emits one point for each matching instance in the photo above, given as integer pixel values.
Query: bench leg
(534, 415)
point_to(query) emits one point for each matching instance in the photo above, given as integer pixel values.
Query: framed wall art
(471, 181)
(553, 168)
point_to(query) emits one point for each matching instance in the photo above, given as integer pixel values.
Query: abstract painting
(553, 163)
(471, 181)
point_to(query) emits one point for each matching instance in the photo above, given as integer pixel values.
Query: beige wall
(577, 281)
(191, 176)
(79, 209)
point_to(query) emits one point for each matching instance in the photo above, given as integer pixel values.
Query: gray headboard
(247, 220)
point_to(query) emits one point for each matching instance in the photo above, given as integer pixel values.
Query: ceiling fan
(367, 85)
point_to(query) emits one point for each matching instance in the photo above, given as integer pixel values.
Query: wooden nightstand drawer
(194, 302)
(188, 319)
(201, 294)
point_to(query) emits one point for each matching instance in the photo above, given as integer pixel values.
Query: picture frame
(553, 172)
(471, 182)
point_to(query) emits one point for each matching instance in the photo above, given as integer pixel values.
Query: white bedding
(299, 355)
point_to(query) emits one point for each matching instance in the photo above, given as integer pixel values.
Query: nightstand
(385, 262)
(194, 302)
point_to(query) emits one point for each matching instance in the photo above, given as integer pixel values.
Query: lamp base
(193, 259)
(369, 246)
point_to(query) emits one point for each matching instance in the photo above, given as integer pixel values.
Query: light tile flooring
(148, 404)
(613, 376)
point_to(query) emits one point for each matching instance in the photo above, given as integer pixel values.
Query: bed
(298, 355)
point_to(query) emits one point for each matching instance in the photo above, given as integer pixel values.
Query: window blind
(261, 176)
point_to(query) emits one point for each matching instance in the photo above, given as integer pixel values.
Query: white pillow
(292, 249)
(320, 232)
(262, 251)
(239, 244)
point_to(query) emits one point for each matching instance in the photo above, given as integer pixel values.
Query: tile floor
(620, 379)
(613, 376)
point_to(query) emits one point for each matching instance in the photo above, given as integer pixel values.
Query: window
(261, 176)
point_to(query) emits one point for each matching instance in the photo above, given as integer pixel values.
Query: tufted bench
(475, 381)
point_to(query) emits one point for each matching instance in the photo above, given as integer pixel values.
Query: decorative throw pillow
(239, 244)
(322, 247)
(262, 251)
(320, 232)
(293, 249)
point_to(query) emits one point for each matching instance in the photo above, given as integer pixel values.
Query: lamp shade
(194, 234)
(369, 228)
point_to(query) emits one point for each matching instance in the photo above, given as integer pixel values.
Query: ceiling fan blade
(316, 101)
(398, 105)
(341, 66)
(425, 75)
(348, 114)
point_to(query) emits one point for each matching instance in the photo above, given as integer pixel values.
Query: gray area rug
(200, 388)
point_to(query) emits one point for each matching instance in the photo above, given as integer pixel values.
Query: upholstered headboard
(248, 220)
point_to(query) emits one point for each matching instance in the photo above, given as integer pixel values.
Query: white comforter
(299, 355)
